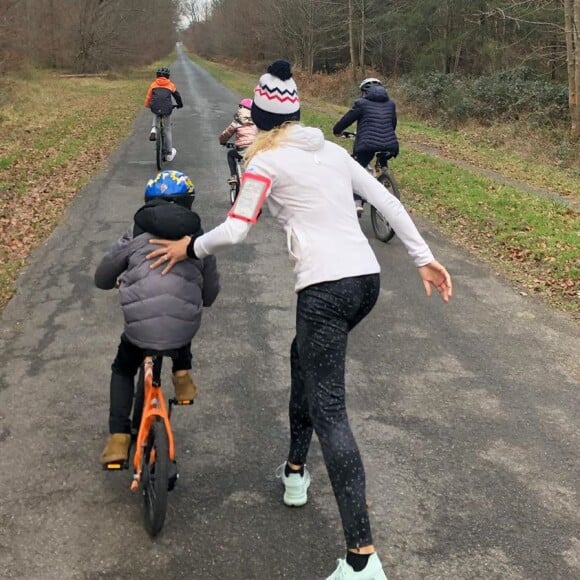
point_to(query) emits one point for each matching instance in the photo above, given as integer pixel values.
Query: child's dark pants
(124, 368)
(325, 314)
(233, 155)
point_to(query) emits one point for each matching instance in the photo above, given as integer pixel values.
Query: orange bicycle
(155, 468)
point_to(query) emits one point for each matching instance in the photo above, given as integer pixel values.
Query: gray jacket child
(161, 312)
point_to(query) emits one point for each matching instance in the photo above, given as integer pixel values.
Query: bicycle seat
(384, 154)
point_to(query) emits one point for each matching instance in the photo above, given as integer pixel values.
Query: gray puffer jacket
(161, 312)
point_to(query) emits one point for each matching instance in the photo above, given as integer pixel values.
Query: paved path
(467, 415)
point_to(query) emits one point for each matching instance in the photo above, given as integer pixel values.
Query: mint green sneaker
(372, 571)
(295, 486)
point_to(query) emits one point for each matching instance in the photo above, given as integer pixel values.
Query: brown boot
(185, 389)
(117, 448)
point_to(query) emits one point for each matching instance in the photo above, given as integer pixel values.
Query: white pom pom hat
(276, 98)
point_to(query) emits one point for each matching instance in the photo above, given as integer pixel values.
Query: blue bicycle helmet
(172, 186)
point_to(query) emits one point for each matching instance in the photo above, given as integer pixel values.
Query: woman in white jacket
(308, 184)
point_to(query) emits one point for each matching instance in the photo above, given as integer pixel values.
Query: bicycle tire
(234, 190)
(159, 145)
(155, 478)
(381, 227)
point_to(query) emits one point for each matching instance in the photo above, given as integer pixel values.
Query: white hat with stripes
(276, 98)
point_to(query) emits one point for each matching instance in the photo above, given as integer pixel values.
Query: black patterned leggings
(325, 314)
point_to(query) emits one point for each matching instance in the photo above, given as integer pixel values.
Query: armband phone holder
(253, 191)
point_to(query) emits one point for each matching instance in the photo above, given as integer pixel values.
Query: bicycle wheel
(234, 190)
(155, 478)
(383, 230)
(159, 145)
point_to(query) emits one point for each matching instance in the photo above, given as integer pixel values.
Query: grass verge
(533, 241)
(55, 135)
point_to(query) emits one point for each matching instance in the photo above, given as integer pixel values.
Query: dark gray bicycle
(235, 185)
(161, 150)
(379, 169)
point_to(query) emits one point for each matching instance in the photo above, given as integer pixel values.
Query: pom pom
(280, 69)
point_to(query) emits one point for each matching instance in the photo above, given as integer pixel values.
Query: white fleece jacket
(311, 197)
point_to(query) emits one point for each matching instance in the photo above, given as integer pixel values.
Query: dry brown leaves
(62, 135)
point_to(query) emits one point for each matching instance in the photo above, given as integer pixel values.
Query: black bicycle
(234, 185)
(379, 169)
(161, 151)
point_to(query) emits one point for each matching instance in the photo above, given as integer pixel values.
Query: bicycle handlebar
(228, 145)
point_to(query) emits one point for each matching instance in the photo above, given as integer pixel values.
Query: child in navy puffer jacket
(375, 114)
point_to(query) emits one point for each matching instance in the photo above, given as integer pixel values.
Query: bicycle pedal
(183, 402)
(116, 465)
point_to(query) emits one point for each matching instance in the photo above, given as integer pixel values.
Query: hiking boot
(153, 134)
(372, 571)
(171, 156)
(295, 486)
(117, 448)
(185, 388)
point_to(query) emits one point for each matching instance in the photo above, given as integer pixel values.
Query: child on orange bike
(162, 312)
(244, 130)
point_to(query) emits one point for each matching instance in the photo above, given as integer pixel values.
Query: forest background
(490, 83)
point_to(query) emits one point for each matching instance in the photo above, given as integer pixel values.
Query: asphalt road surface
(466, 414)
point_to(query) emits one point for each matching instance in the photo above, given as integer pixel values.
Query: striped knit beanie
(275, 97)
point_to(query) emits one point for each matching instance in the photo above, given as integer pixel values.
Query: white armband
(253, 191)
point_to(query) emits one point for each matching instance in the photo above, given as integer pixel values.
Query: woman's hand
(435, 274)
(173, 251)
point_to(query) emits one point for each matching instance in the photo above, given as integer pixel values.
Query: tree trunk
(572, 25)
(362, 40)
(351, 39)
(311, 36)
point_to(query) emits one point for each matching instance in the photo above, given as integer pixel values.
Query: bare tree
(572, 28)
(193, 10)
(8, 31)
(86, 35)
(535, 14)
(305, 26)
(351, 40)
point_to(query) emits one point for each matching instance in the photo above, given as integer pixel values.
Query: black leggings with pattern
(325, 314)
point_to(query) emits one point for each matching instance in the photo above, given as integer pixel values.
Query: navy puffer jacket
(376, 118)
(161, 312)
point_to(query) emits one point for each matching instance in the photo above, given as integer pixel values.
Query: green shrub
(507, 94)
(437, 95)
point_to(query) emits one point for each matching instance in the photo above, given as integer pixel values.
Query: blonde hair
(266, 140)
